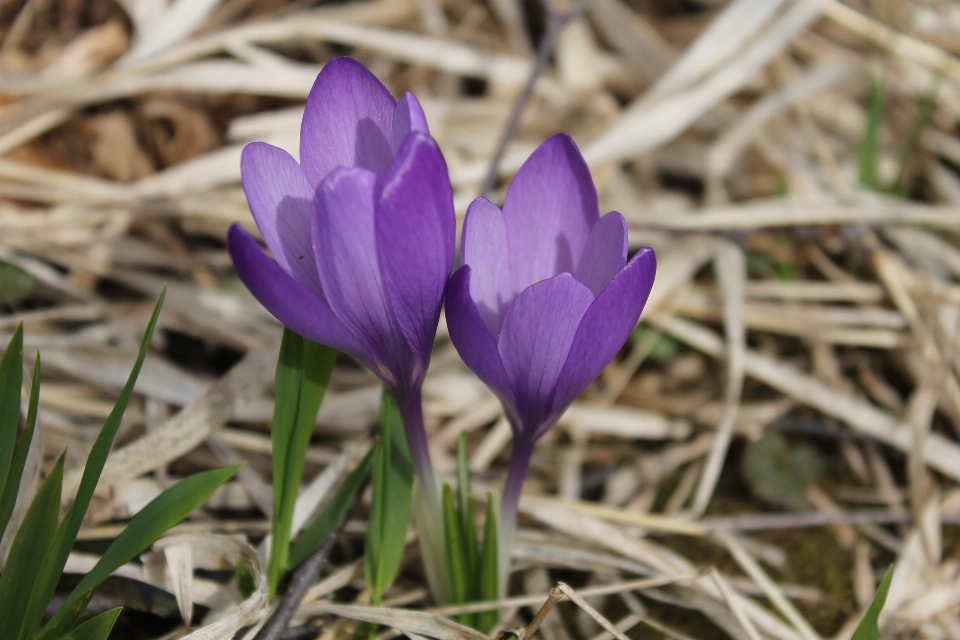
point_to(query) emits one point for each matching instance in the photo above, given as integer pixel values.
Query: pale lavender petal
(348, 121)
(289, 300)
(483, 246)
(550, 209)
(605, 254)
(605, 327)
(279, 197)
(416, 240)
(538, 330)
(469, 335)
(344, 241)
(408, 118)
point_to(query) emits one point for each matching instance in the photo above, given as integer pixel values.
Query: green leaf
(16, 285)
(868, 154)
(468, 519)
(66, 535)
(27, 552)
(333, 513)
(303, 374)
(8, 496)
(783, 186)
(96, 628)
(489, 568)
(11, 379)
(924, 109)
(159, 516)
(246, 584)
(869, 627)
(779, 472)
(664, 348)
(390, 507)
(455, 552)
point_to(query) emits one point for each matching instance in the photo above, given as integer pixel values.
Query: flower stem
(426, 494)
(410, 405)
(516, 473)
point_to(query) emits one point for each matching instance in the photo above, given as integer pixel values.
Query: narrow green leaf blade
(159, 516)
(455, 551)
(869, 627)
(27, 552)
(96, 628)
(868, 153)
(11, 378)
(303, 374)
(8, 497)
(333, 513)
(390, 508)
(67, 532)
(924, 108)
(287, 382)
(468, 521)
(246, 583)
(489, 567)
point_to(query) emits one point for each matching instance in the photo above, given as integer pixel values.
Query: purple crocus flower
(362, 233)
(545, 297)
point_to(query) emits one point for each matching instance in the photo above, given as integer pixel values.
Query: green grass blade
(869, 627)
(333, 513)
(924, 109)
(8, 497)
(246, 583)
(287, 383)
(390, 508)
(303, 374)
(468, 522)
(159, 516)
(67, 532)
(868, 153)
(489, 568)
(11, 379)
(458, 571)
(28, 550)
(456, 565)
(96, 628)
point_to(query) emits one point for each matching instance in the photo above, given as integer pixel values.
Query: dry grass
(790, 299)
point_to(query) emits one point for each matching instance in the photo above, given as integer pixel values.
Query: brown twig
(309, 629)
(556, 21)
(553, 598)
(304, 576)
(593, 613)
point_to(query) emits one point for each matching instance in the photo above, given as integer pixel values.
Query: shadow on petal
(288, 300)
(605, 327)
(538, 331)
(415, 242)
(472, 340)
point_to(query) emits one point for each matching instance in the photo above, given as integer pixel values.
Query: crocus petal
(605, 327)
(605, 254)
(484, 247)
(550, 208)
(469, 335)
(416, 240)
(534, 353)
(279, 197)
(348, 121)
(289, 300)
(344, 242)
(408, 118)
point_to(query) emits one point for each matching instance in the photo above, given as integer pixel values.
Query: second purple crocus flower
(545, 297)
(362, 233)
